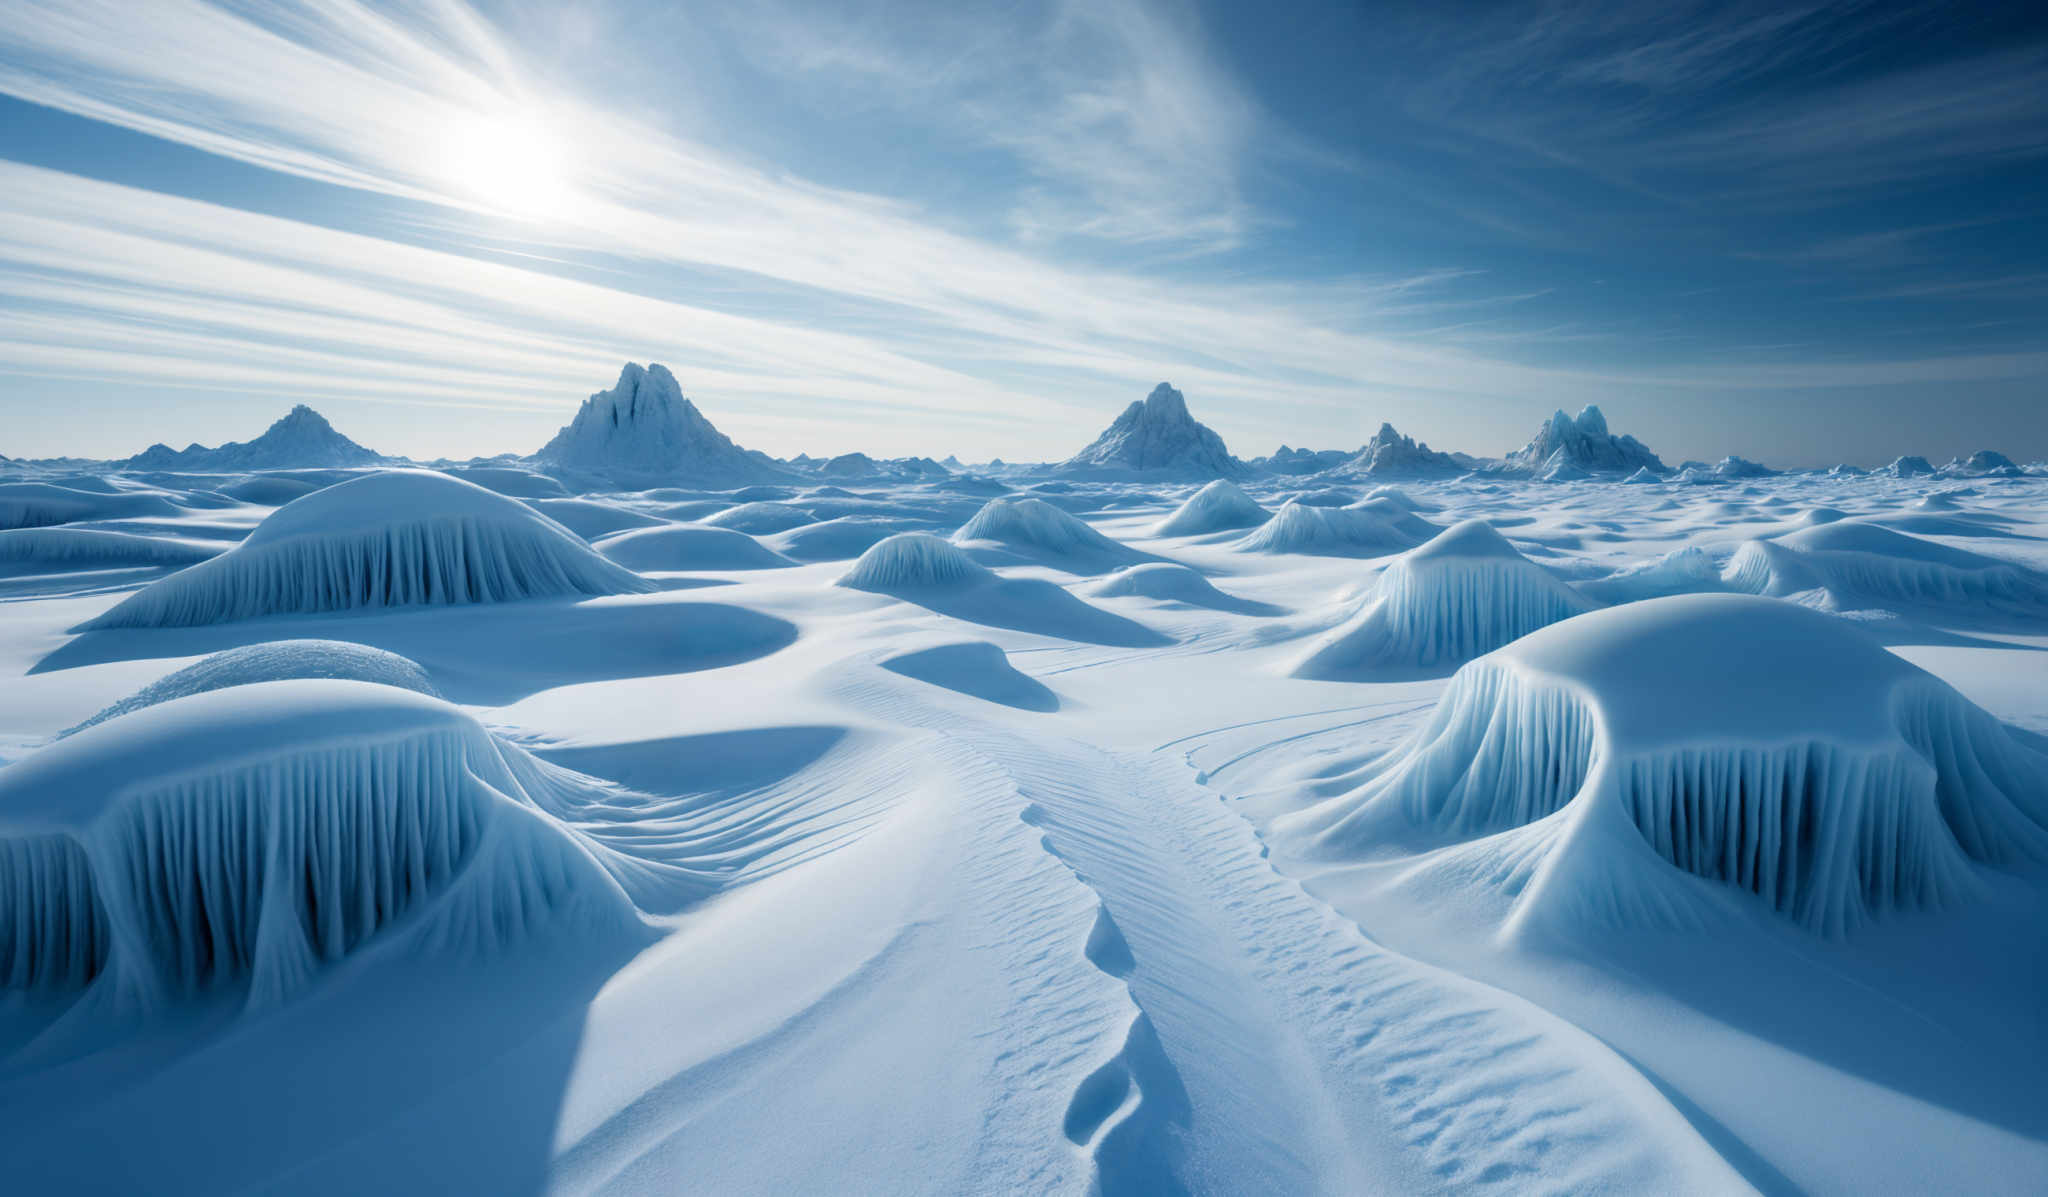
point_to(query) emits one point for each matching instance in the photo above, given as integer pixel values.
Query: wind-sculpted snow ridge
(1826, 778)
(1689, 570)
(274, 661)
(1463, 594)
(44, 504)
(1855, 563)
(256, 834)
(1156, 436)
(1218, 507)
(395, 538)
(913, 561)
(1034, 524)
(24, 550)
(1374, 528)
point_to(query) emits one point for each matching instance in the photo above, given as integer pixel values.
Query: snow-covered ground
(406, 834)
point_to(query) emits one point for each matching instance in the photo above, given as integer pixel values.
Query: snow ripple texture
(391, 539)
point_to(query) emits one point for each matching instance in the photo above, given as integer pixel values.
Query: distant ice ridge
(1465, 593)
(1218, 507)
(1567, 448)
(303, 438)
(1157, 436)
(255, 834)
(389, 539)
(1823, 776)
(644, 430)
(1373, 528)
(273, 661)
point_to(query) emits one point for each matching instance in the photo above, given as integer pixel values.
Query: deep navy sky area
(1799, 234)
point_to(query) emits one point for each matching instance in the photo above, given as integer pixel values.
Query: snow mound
(1156, 435)
(255, 835)
(674, 548)
(37, 550)
(274, 661)
(1372, 529)
(303, 438)
(1856, 562)
(1162, 580)
(591, 519)
(913, 561)
(761, 518)
(390, 539)
(1826, 777)
(1465, 593)
(1218, 507)
(1564, 447)
(643, 429)
(1906, 467)
(44, 504)
(1037, 524)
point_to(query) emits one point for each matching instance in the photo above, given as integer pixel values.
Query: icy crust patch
(913, 561)
(30, 550)
(255, 835)
(276, 660)
(1373, 528)
(1465, 593)
(391, 539)
(1217, 507)
(1839, 785)
(1864, 561)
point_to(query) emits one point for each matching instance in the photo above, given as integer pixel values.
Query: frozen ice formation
(390, 539)
(274, 661)
(913, 561)
(1218, 507)
(1564, 446)
(1856, 562)
(1463, 594)
(1390, 455)
(303, 438)
(1373, 528)
(1157, 436)
(255, 834)
(1756, 744)
(643, 429)
(1689, 570)
(1906, 467)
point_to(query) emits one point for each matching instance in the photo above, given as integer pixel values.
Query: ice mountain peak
(1157, 435)
(1571, 447)
(643, 427)
(301, 438)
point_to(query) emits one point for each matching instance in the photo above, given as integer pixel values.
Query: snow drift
(274, 661)
(912, 561)
(676, 547)
(1825, 777)
(39, 550)
(1858, 563)
(1374, 528)
(390, 539)
(1465, 593)
(43, 504)
(1218, 507)
(256, 834)
(1034, 525)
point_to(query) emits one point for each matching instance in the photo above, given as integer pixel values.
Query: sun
(512, 164)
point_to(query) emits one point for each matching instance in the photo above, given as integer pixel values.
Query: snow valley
(652, 814)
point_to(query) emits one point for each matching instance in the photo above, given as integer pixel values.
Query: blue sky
(1800, 234)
